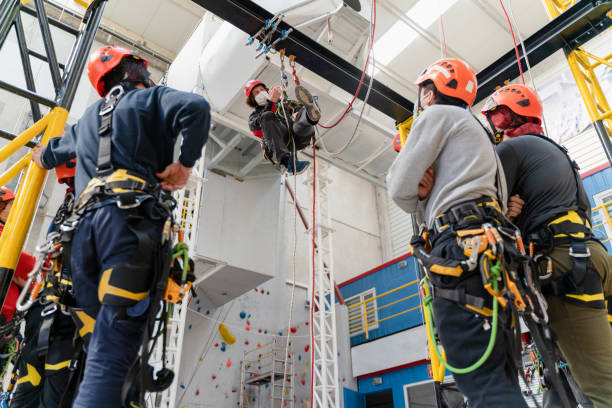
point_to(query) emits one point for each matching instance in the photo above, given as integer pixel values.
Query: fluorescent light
(400, 35)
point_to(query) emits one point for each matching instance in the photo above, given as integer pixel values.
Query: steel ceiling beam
(570, 30)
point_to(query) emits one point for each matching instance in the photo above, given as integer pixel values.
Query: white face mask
(261, 98)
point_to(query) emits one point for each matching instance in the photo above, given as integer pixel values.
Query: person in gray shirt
(449, 174)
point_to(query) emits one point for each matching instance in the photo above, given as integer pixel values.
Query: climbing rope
(518, 58)
(442, 34)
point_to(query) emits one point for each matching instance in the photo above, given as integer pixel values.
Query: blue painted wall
(395, 381)
(593, 184)
(383, 280)
(353, 399)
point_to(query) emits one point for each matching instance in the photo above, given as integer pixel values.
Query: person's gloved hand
(174, 176)
(275, 94)
(515, 206)
(426, 184)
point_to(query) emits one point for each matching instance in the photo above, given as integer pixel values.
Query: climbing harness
(125, 284)
(494, 250)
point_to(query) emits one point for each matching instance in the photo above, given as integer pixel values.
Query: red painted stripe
(595, 170)
(378, 268)
(388, 370)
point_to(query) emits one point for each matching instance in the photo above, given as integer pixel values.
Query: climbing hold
(303, 381)
(259, 331)
(246, 342)
(299, 358)
(280, 333)
(197, 392)
(233, 390)
(226, 335)
(189, 327)
(306, 323)
(262, 291)
(247, 328)
(258, 345)
(248, 316)
(208, 312)
(201, 358)
(216, 344)
(268, 292)
(256, 290)
(248, 323)
(307, 348)
(293, 330)
(265, 332)
(229, 363)
(198, 302)
(183, 386)
(199, 308)
(223, 293)
(307, 363)
(214, 377)
(242, 315)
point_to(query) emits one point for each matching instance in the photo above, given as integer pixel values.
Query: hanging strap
(105, 165)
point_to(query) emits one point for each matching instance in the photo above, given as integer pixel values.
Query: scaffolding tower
(266, 366)
(324, 354)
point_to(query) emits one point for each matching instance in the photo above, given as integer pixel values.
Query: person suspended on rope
(550, 206)
(284, 126)
(124, 146)
(449, 175)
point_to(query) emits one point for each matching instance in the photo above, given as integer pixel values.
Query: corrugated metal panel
(400, 229)
(586, 149)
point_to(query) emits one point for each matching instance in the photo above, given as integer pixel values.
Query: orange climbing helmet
(104, 60)
(520, 99)
(397, 143)
(452, 77)
(249, 86)
(6, 194)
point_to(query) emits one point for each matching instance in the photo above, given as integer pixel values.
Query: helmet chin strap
(498, 135)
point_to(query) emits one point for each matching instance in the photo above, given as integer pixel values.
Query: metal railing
(364, 314)
(607, 221)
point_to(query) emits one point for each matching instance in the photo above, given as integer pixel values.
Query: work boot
(305, 98)
(300, 167)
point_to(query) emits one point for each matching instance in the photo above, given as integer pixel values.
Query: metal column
(325, 387)
(188, 214)
(52, 125)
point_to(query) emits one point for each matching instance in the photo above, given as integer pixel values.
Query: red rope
(443, 35)
(312, 288)
(518, 58)
(350, 105)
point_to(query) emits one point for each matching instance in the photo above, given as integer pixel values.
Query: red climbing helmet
(452, 77)
(520, 99)
(104, 60)
(249, 86)
(6, 194)
(66, 172)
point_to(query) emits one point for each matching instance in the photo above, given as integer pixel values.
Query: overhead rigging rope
(367, 97)
(518, 58)
(442, 34)
(522, 43)
(312, 287)
(363, 73)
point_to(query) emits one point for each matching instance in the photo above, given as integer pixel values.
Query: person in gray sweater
(448, 173)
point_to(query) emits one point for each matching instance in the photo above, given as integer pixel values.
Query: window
(598, 216)
(356, 320)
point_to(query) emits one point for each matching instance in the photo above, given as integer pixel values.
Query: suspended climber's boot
(305, 98)
(300, 166)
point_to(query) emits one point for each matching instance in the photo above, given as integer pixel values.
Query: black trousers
(277, 138)
(465, 336)
(43, 378)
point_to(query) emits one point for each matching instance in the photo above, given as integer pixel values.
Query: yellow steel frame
(583, 64)
(26, 200)
(608, 221)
